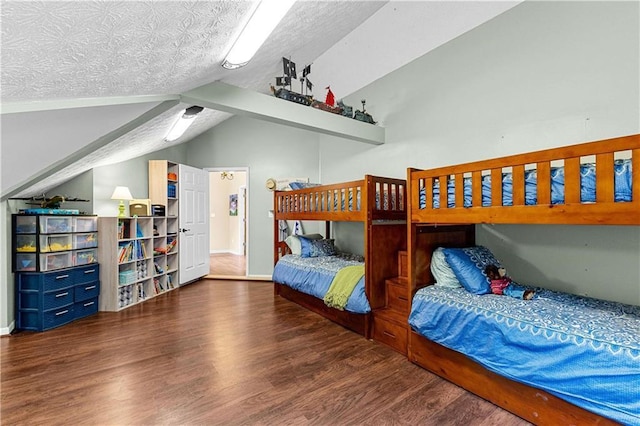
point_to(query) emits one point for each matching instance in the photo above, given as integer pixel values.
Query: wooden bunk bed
(433, 212)
(379, 203)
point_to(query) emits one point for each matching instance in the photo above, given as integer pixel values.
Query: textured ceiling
(124, 51)
(80, 49)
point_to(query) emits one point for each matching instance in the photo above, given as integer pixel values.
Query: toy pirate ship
(329, 103)
(289, 72)
(363, 115)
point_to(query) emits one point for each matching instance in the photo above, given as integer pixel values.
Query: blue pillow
(316, 248)
(302, 185)
(468, 266)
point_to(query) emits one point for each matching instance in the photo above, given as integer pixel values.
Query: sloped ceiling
(89, 83)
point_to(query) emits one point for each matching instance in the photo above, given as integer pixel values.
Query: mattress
(583, 350)
(622, 187)
(313, 276)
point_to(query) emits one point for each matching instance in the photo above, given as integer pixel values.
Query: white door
(194, 223)
(242, 226)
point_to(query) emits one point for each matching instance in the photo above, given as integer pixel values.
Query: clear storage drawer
(56, 225)
(25, 262)
(85, 257)
(25, 243)
(51, 243)
(49, 262)
(85, 224)
(25, 225)
(84, 241)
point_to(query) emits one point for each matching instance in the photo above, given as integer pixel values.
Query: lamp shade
(121, 193)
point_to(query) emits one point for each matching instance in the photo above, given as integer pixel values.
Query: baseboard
(7, 330)
(239, 278)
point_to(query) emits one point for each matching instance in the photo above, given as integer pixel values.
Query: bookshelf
(128, 250)
(164, 190)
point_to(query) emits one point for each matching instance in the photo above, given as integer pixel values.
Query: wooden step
(397, 294)
(403, 270)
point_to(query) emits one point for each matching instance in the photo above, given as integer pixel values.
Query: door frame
(246, 203)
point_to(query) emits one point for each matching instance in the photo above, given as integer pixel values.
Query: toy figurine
(501, 284)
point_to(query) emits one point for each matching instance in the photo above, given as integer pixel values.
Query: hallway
(227, 264)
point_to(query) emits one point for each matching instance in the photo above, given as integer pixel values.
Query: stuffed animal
(501, 284)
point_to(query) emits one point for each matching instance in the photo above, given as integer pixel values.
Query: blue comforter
(622, 187)
(313, 275)
(583, 350)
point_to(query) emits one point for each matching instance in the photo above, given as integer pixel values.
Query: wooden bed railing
(603, 211)
(372, 198)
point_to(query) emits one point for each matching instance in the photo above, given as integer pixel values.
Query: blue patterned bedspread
(622, 187)
(583, 350)
(313, 275)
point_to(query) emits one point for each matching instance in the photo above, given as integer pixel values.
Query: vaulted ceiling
(89, 83)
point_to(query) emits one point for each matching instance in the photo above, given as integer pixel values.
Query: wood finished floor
(222, 353)
(227, 264)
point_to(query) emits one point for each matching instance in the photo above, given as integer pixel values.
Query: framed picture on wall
(233, 205)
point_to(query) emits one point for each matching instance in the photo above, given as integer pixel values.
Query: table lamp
(121, 193)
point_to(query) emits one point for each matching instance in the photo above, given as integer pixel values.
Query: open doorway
(228, 222)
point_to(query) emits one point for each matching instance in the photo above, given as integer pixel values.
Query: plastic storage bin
(52, 243)
(84, 241)
(49, 262)
(56, 225)
(127, 277)
(85, 257)
(25, 243)
(25, 262)
(25, 225)
(85, 224)
(171, 190)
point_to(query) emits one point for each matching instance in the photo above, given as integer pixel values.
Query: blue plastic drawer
(33, 319)
(61, 279)
(58, 317)
(58, 298)
(86, 274)
(44, 282)
(86, 307)
(37, 300)
(87, 291)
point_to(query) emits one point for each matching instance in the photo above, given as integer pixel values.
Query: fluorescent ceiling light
(187, 117)
(265, 18)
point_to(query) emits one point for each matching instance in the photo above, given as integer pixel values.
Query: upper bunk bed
(584, 184)
(587, 184)
(379, 203)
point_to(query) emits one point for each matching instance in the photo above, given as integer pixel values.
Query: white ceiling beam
(54, 104)
(235, 100)
(93, 146)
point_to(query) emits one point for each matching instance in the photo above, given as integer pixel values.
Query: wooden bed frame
(384, 235)
(605, 211)
(532, 404)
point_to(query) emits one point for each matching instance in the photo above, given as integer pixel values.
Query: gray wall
(541, 75)
(269, 151)
(133, 174)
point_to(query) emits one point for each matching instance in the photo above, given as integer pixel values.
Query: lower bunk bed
(379, 203)
(307, 281)
(557, 358)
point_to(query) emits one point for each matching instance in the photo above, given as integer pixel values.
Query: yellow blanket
(342, 286)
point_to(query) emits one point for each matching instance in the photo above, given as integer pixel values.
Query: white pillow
(441, 270)
(293, 241)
